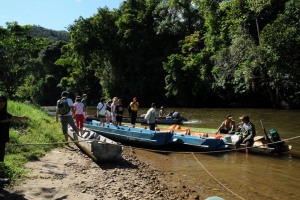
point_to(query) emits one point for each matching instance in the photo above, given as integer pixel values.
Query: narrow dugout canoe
(98, 147)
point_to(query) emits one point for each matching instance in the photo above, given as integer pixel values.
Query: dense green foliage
(173, 52)
(39, 129)
(41, 32)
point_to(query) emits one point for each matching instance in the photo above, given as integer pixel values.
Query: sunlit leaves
(18, 54)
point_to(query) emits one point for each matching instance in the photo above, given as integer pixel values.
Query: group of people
(245, 130)
(107, 112)
(111, 111)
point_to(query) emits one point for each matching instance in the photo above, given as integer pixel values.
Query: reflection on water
(247, 176)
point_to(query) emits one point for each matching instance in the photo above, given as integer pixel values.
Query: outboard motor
(275, 137)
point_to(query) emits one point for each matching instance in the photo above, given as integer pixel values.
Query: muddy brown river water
(236, 175)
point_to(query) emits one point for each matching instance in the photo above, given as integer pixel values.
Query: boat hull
(260, 145)
(129, 135)
(98, 147)
(198, 143)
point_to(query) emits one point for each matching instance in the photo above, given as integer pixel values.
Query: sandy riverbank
(67, 173)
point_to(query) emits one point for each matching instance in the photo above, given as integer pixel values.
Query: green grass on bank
(40, 128)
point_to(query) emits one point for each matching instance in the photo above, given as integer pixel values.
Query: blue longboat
(130, 135)
(148, 138)
(198, 143)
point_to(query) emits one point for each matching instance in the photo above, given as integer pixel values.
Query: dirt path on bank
(67, 173)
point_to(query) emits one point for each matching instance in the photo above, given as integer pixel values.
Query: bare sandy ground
(67, 173)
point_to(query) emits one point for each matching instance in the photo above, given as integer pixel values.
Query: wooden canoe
(98, 147)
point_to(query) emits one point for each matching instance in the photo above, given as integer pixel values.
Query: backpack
(63, 107)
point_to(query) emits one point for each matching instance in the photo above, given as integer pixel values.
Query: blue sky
(51, 14)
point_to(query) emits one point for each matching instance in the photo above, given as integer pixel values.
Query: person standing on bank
(134, 107)
(5, 119)
(84, 101)
(151, 116)
(113, 110)
(66, 117)
(228, 126)
(79, 113)
(246, 132)
(101, 111)
(108, 111)
(119, 112)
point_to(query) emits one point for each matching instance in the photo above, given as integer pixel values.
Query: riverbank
(67, 173)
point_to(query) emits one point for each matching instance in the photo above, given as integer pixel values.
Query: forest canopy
(208, 53)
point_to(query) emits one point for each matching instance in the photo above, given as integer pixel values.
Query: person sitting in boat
(173, 115)
(228, 126)
(246, 132)
(162, 112)
(176, 115)
(170, 115)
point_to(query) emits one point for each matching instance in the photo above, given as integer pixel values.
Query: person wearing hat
(66, 119)
(228, 126)
(134, 107)
(246, 132)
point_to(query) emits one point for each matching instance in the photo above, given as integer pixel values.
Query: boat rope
(216, 178)
(49, 143)
(288, 139)
(156, 150)
(208, 152)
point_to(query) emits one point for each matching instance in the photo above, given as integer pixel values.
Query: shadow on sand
(4, 194)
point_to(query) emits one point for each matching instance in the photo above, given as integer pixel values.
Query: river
(236, 175)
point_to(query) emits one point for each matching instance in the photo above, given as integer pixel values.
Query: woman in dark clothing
(5, 119)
